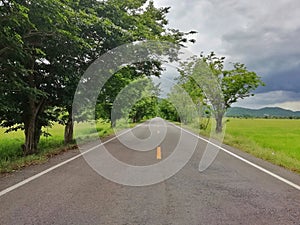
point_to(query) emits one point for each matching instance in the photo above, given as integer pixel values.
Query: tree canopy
(46, 45)
(206, 80)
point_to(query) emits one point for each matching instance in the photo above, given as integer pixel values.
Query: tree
(35, 31)
(120, 80)
(183, 104)
(147, 105)
(46, 45)
(138, 100)
(116, 23)
(167, 110)
(142, 21)
(220, 87)
(198, 98)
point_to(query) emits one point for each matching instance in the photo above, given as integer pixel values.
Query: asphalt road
(230, 191)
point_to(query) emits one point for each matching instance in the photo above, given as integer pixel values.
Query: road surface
(230, 191)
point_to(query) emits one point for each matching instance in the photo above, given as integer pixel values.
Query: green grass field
(11, 156)
(275, 140)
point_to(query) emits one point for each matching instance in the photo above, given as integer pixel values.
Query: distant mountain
(262, 113)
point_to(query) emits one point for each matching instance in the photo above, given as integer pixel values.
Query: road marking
(17, 185)
(244, 160)
(158, 153)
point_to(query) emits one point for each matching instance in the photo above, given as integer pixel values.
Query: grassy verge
(11, 156)
(273, 140)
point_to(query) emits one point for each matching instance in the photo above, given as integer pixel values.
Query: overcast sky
(263, 34)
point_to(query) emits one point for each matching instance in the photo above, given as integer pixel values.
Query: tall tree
(142, 21)
(116, 23)
(36, 30)
(46, 45)
(220, 87)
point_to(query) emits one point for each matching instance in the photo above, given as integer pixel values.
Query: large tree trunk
(219, 122)
(69, 130)
(32, 128)
(31, 142)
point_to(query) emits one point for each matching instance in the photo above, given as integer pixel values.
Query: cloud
(294, 106)
(167, 80)
(288, 80)
(283, 99)
(264, 35)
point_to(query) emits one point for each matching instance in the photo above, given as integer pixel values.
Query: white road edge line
(244, 160)
(17, 185)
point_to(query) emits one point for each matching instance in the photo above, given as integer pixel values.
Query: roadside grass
(11, 156)
(273, 140)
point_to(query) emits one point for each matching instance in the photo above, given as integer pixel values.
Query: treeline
(46, 45)
(265, 117)
(206, 89)
(267, 112)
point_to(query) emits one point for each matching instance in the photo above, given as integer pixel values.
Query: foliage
(147, 105)
(39, 26)
(137, 101)
(168, 111)
(125, 76)
(183, 104)
(46, 45)
(217, 86)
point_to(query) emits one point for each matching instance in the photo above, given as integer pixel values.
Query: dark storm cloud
(270, 44)
(288, 80)
(263, 34)
(272, 52)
